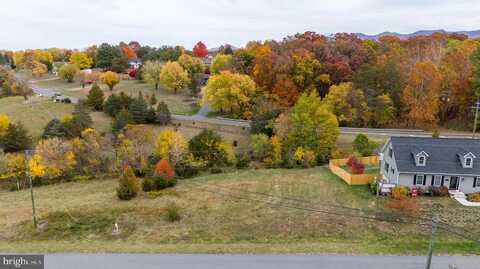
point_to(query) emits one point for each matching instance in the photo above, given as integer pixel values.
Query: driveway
(177, 261)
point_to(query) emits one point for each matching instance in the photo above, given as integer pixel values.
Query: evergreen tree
(95, 97)
(128, 186)
(54, 128)
(112, 105)
(139, 109)
(81, 119)
(151, 116)
(123, 118)
(153, 100)
(16, 138)
(163, 114)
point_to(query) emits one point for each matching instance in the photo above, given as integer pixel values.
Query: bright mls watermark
(21, 261)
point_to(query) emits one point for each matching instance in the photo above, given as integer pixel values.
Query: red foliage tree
(200, 50)
(163, 169)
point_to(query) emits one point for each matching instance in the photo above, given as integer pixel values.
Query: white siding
(390, 175)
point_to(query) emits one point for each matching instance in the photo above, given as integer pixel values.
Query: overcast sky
(80, 23)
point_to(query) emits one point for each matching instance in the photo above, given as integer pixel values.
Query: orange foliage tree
(421, 95)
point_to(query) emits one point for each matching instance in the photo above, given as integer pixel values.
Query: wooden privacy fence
(335, 166)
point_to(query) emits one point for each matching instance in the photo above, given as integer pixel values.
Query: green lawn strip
(80, 218)
(344, 246)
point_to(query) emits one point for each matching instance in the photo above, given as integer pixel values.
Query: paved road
(177, 261)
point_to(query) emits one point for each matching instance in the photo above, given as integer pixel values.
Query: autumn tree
(348, 104)
(229, 93)
(38, 69)
(4, 123)
(122, 119)
(171, 146)
(200, 50)
(128, 185)
(190, 64)
(110, 79)
(384, 111)
(81, 60)
(173, 77)
(68, 72)
(81, 119)
(151, 72)
(421, 95)
(220, 63)
(309, 125)
(286, 92)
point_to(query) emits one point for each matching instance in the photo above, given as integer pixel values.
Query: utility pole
(34, 213)
(432, 242)
(476, 107)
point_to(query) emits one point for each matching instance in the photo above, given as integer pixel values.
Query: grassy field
(177, 103)
(38, 111)
(222, 213)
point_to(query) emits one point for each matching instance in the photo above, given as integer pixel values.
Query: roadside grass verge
(220, 214)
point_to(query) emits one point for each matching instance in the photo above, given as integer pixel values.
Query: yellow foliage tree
(4, 122)
(55, 157)
(173, 77)
(171, 146)
(81, 60)
(229, 93)
(38, 69)
(35, 167)
(110, 79)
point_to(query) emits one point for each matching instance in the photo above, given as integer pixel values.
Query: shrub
(68, 72)
(243, 161)
(207, 146)
(172, 213)
(188, 168)
(163, 169)
(261, 147)
(373, 186)
(407, 206)
(474, 197)
(147, 185)
(128, 185)
(436, 134)
(356, 167)
(399, 192)
(363, 145)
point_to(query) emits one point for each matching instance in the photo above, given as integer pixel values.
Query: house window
(390, 152)
(419, 179)
(477, 182)
(421, 160)
(393, 171)
(387, 166)
(437, 181)
(468, 162)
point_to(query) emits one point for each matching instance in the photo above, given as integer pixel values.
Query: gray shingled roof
(443, 154)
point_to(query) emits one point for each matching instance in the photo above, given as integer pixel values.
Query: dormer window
(421, 158)
(466, 159)
(468, 162)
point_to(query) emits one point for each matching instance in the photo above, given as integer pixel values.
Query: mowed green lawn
(38, 111)
(177, 103)
(239, 212)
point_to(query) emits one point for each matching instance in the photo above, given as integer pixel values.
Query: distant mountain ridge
(470, 34)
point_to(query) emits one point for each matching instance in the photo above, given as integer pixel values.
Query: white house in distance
(422, 162)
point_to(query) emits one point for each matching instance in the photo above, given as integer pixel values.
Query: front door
(454, 183)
